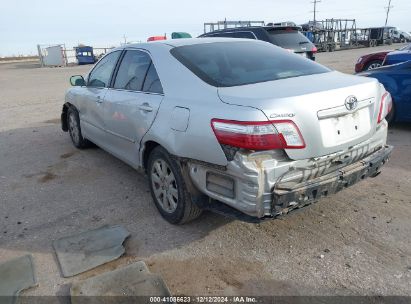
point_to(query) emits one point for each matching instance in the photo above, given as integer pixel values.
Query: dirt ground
(354, 243)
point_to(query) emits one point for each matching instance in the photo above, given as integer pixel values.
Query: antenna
(388, 11)
(315, 8)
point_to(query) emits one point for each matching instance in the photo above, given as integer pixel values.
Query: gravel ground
(354, 243)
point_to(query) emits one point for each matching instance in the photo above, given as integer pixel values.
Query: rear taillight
(258, 135)
(314, 49)
(385, 106)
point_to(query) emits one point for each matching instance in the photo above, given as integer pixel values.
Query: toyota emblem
(351, 103)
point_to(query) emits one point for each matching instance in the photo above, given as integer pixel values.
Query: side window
(101, 74)
(248, 35)
(132, 71)
(218, 35)
(226, 35)
(152, 83)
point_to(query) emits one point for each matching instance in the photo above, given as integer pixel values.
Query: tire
(390, 118)
(74, 128)
(168, 188)
(373, 65)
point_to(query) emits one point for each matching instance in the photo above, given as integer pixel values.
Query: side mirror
(77, 81)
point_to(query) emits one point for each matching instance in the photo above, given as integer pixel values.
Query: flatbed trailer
(220, 25)
(333, 34)
(375, 36)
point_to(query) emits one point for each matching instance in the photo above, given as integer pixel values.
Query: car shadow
(52, 190)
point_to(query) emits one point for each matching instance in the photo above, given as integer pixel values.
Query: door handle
(99, 100)
(145, 107)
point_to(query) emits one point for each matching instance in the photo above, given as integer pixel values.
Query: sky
(104, 23)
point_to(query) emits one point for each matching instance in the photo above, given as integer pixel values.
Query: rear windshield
(288, 39)
(226, 64)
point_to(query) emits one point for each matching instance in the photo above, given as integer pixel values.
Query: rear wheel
(373, 65)
(168, 188)
(73, 123)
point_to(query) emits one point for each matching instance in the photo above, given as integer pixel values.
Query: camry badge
(351, 103)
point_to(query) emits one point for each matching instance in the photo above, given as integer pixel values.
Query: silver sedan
(237, 126)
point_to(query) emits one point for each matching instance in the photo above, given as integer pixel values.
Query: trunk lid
(317, 104)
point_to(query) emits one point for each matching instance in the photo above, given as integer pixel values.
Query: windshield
(288, 39)
(225, 64)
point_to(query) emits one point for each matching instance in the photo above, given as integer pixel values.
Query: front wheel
(375, 64)
(168, 188)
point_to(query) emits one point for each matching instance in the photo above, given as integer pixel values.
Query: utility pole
(388, 11)
(315, 9)
(125, 39)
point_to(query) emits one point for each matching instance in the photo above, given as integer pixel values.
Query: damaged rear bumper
(287, 198)
(267, 184)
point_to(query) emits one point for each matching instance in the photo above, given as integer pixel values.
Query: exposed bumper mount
(286, 199)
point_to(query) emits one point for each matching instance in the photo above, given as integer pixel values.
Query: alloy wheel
(164, 186)
(374, 66)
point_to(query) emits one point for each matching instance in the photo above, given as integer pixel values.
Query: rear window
(288, 38)
(226, 64)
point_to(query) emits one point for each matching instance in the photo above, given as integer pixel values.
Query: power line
(315, 8)
(388, 11)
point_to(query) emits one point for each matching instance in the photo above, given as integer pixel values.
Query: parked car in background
(401, 55)
(370, 61)
(156, 38)
(180, 35)
(396, 80)
(376, 60)
(287, 37)
(238, 126)
(400, 36)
